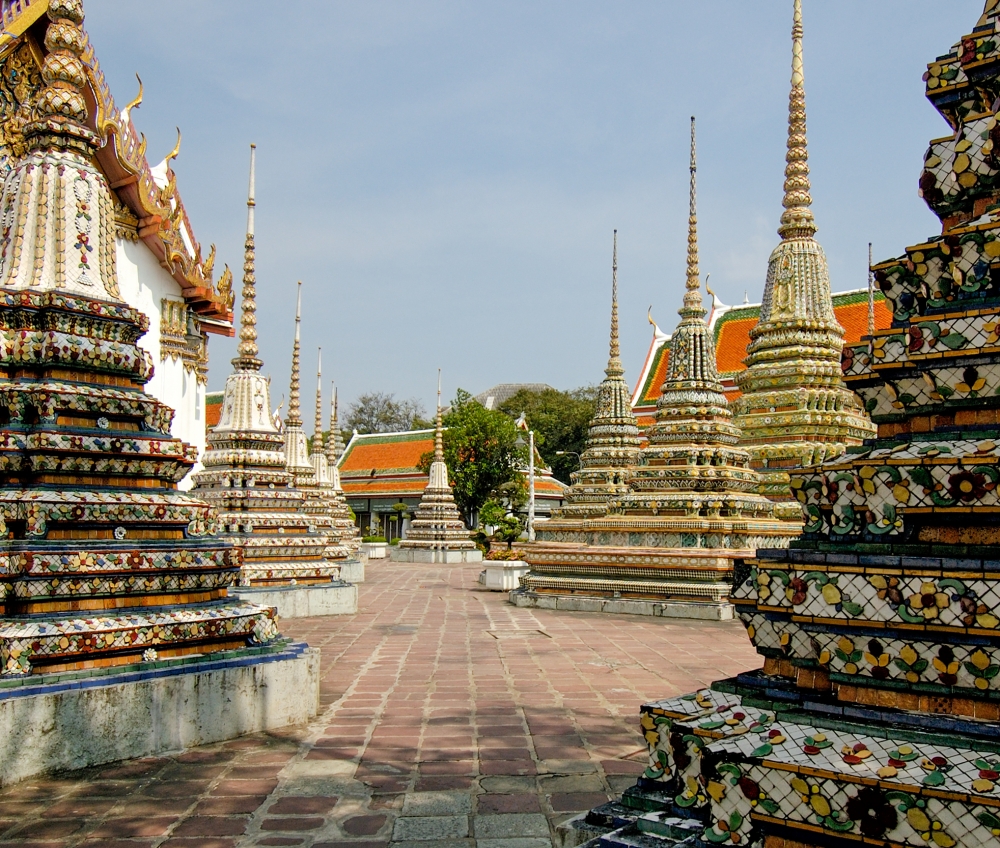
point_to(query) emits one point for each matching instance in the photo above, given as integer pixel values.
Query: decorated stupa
(876, 717)
(666, 546)
(324, 454)
(113, 580)
(291, 557)
(437, 533)
(795, 409)
(613, 438)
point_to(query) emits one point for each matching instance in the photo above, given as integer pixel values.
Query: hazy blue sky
(445, 175)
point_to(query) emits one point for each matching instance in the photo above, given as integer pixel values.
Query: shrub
(373, 539)
(506, 555)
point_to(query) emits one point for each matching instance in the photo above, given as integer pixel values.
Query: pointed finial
(133, 104)
(438, 435)
(61, 107)
(332, 442)
(318, 445)
(871, 294)
(614, 368)
(294, 409)
(797, 221)
(692, 298)
(173, 154)
(247, 351)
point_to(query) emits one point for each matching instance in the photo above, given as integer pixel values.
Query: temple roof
(731, 326)
(394, 457)
(150, 201)
(502, 392)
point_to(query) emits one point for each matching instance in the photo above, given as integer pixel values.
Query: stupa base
(76, 720)
(442, 556)
(500, 576)
(303, 601)
(697, 610)
(353, 570)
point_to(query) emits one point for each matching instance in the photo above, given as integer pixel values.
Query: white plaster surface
(504, 576)
(353, 571)
(78, 728)
(659, 609)
(374, 550)
(398, 554)
(303, 601)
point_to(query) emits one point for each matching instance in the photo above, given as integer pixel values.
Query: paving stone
(505, 825)
(430, 828)
(437, 804)
(537, 724)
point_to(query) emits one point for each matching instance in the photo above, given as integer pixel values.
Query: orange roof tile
(386, 451)
(374, 487)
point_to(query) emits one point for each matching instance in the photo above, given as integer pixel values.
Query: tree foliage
(380, 412)
(480, 450)
(560, 420)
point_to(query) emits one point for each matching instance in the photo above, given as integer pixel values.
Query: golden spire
(294, 409)
(247, 359)
(317, 445)
(692, 298)
(438, 435)
(61, 107)
(797, 220)
(614, 368)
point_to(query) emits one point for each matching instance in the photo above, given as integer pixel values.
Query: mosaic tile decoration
(102, 560)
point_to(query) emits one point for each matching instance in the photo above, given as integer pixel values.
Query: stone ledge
(659, 609)
(83, 722)
(353, 571)
(303, 601)
(427, 555)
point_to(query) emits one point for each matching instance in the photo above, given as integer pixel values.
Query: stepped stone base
(353, 570)
(434, 555)
(337, 598)
(503, 576)
(701, 611)
(77, 720)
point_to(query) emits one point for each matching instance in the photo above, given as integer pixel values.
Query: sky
(444, 176)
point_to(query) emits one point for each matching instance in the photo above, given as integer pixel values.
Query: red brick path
(450, 718)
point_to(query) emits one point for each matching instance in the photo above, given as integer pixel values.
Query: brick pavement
(449, 718)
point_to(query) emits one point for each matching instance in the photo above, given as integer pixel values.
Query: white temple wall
(144, 285)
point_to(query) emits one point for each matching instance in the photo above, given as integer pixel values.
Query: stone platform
(440, 557)
(499, 576)
(353, 570)
(708, 611)
(75, 720)
(336, 598)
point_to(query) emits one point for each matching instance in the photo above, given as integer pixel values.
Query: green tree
(480, 449)
(561, 422)
(379, 412)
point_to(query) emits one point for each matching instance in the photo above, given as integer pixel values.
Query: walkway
(450, 718)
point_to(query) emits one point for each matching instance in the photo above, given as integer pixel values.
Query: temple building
(666, 545)
(380, 470)
(437, 533)
(794, 408)
(161, 270)
(730, 328)
(613, 438)
(115, 583)
(876, 716)
(292, 558)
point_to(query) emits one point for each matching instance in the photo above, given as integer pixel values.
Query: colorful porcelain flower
(967, 486)
(797, 591)
(929, 602)
(874, 814)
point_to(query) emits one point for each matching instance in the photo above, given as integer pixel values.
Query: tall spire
(692, 297)
(247, 359)
(317, 445)
(294, 416)
(335, 443)
(438, 434)
(614, 368)
(797, 220)
(871, 293)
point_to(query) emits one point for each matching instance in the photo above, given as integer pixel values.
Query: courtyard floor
(448, 718)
